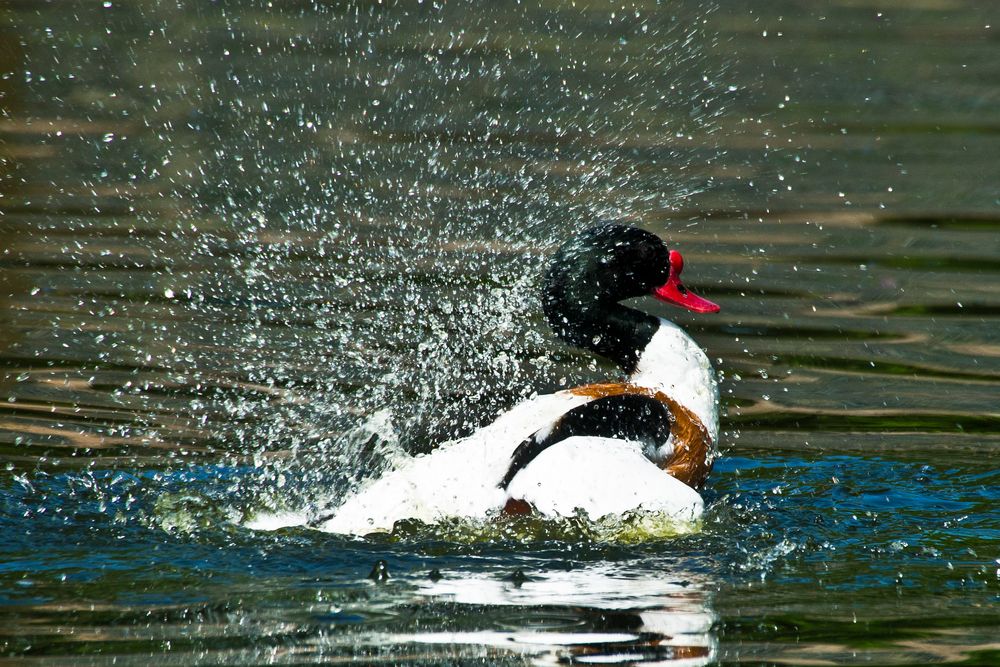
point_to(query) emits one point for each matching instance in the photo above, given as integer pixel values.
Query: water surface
(245, 247)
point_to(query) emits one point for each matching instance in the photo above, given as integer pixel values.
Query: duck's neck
(611, 330)
(653, 352)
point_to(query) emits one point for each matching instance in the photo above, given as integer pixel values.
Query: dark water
(241, 243)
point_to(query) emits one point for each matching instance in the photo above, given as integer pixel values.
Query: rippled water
(245, 249)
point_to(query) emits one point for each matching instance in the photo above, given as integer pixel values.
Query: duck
(644, 441)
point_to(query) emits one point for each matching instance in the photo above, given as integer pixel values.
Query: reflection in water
(595, 614)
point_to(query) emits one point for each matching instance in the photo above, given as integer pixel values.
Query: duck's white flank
(604, 476)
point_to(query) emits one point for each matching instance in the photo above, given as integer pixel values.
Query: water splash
(385, 241)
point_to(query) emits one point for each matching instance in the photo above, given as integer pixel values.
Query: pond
(246, 247)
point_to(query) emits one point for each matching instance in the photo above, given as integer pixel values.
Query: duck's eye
(682, 289)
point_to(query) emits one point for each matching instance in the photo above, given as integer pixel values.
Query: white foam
(276, 520)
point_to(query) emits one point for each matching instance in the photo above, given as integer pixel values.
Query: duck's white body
(599, 476)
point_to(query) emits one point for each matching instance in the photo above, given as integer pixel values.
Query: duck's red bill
(673, 291)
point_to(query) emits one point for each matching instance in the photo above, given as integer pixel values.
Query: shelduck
(645, 443)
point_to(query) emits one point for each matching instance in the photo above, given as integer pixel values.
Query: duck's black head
(596, 269)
